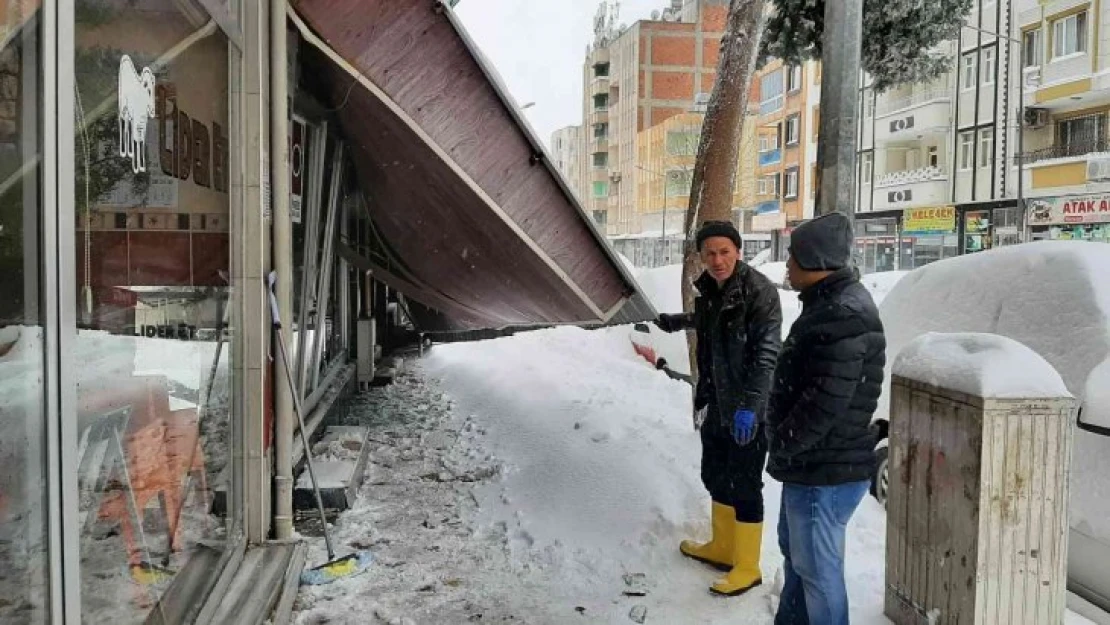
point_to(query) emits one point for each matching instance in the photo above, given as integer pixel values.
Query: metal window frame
(59, 313)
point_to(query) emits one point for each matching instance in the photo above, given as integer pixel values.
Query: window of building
(601, 217)
(601, 70)
(791, 183)
(601, 189)
(601, 131)
(678, 182)
(682, 142)
(867, 163)
(601, 160)
(794, 78)
(988, 66)
(601, 102)
(793, 129)
(933, 156)
(1081, 135)
(768, 142)
(967, 70)
(986, 147)
(771, 90)
(1032, 48)
(769, 185)
(1069, 35)
(967, 148)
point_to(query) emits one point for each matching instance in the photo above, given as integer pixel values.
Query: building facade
(937, 176)
(565, 144)
(787, 119)
(635, 78)
(1065, 67)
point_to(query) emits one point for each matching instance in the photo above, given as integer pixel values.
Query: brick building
(634, 78)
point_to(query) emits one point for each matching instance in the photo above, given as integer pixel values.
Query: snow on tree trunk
(714, 176)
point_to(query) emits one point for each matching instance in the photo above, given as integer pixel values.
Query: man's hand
(671, 323)
(744, 426)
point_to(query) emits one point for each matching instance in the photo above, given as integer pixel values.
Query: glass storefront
(24, 565)
(153, 296)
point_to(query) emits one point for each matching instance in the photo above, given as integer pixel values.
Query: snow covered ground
(541, 479)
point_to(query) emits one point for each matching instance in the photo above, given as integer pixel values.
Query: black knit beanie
(724, 229)
(823, 244)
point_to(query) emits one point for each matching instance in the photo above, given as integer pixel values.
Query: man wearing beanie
(738, 321)
(826, 388)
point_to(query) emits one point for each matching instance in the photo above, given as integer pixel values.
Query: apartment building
(565, 146)
(936, 162)
(665, 162)
(634, 78)
(1065, 157)
(786, 161)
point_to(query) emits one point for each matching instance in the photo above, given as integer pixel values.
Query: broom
(334, 568)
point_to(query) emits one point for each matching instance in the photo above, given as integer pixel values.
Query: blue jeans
(812, 528)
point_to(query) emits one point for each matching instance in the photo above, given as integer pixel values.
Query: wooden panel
(411, 51)
(977, 515)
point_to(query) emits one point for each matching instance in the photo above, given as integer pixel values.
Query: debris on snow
(638, 613)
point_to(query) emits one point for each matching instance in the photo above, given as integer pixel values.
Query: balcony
(889, 105)
(599, 144)
(905, 189)
(599, 115)
(1071, 149)
(928, 117)
(770, 157)
(599, 85)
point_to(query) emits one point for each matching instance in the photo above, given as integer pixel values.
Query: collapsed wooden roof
(473, 219)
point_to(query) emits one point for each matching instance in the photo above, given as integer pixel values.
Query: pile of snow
(775, 272)
(983, 365)
(1053, 297)
(880, 284)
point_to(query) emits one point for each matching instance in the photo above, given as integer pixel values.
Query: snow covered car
(1054, 297)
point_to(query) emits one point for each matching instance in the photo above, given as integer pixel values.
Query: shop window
(1069, 35)
(154, 387)
(24, 573)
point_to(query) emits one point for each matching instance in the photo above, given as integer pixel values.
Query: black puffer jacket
(739, 328)
(827, 385)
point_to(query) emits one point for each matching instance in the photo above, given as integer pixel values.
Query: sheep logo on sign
(136, 105)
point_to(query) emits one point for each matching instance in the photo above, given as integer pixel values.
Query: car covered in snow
(1053, 297)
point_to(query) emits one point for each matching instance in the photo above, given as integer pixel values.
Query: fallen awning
(468, 215)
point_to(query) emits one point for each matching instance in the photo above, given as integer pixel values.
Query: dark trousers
(732, 474)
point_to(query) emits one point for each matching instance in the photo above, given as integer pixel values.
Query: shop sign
(935, 220)
(296, 169)
(769, 222)
(135, 95)
(1076, 209)
(189, 147)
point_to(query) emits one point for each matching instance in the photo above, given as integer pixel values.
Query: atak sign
(1075, 209)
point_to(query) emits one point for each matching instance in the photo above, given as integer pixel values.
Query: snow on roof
(983, 365)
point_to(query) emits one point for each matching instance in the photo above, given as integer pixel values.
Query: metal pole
(663, 234)
(283, 265)
(836, 150)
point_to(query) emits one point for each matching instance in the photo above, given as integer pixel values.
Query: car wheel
(880, 481)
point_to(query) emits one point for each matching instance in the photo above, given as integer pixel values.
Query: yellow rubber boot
(718, 552)
(745, 574)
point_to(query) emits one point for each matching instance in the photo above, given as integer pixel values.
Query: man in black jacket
(826, 388)
(738, 320)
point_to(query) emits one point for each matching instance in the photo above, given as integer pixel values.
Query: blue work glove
(744, 426)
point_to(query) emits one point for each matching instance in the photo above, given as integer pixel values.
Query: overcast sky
(538, 47)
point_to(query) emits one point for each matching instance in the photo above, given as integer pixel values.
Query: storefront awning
(468, 215)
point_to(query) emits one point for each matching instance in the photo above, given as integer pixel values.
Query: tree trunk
(714, 179)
